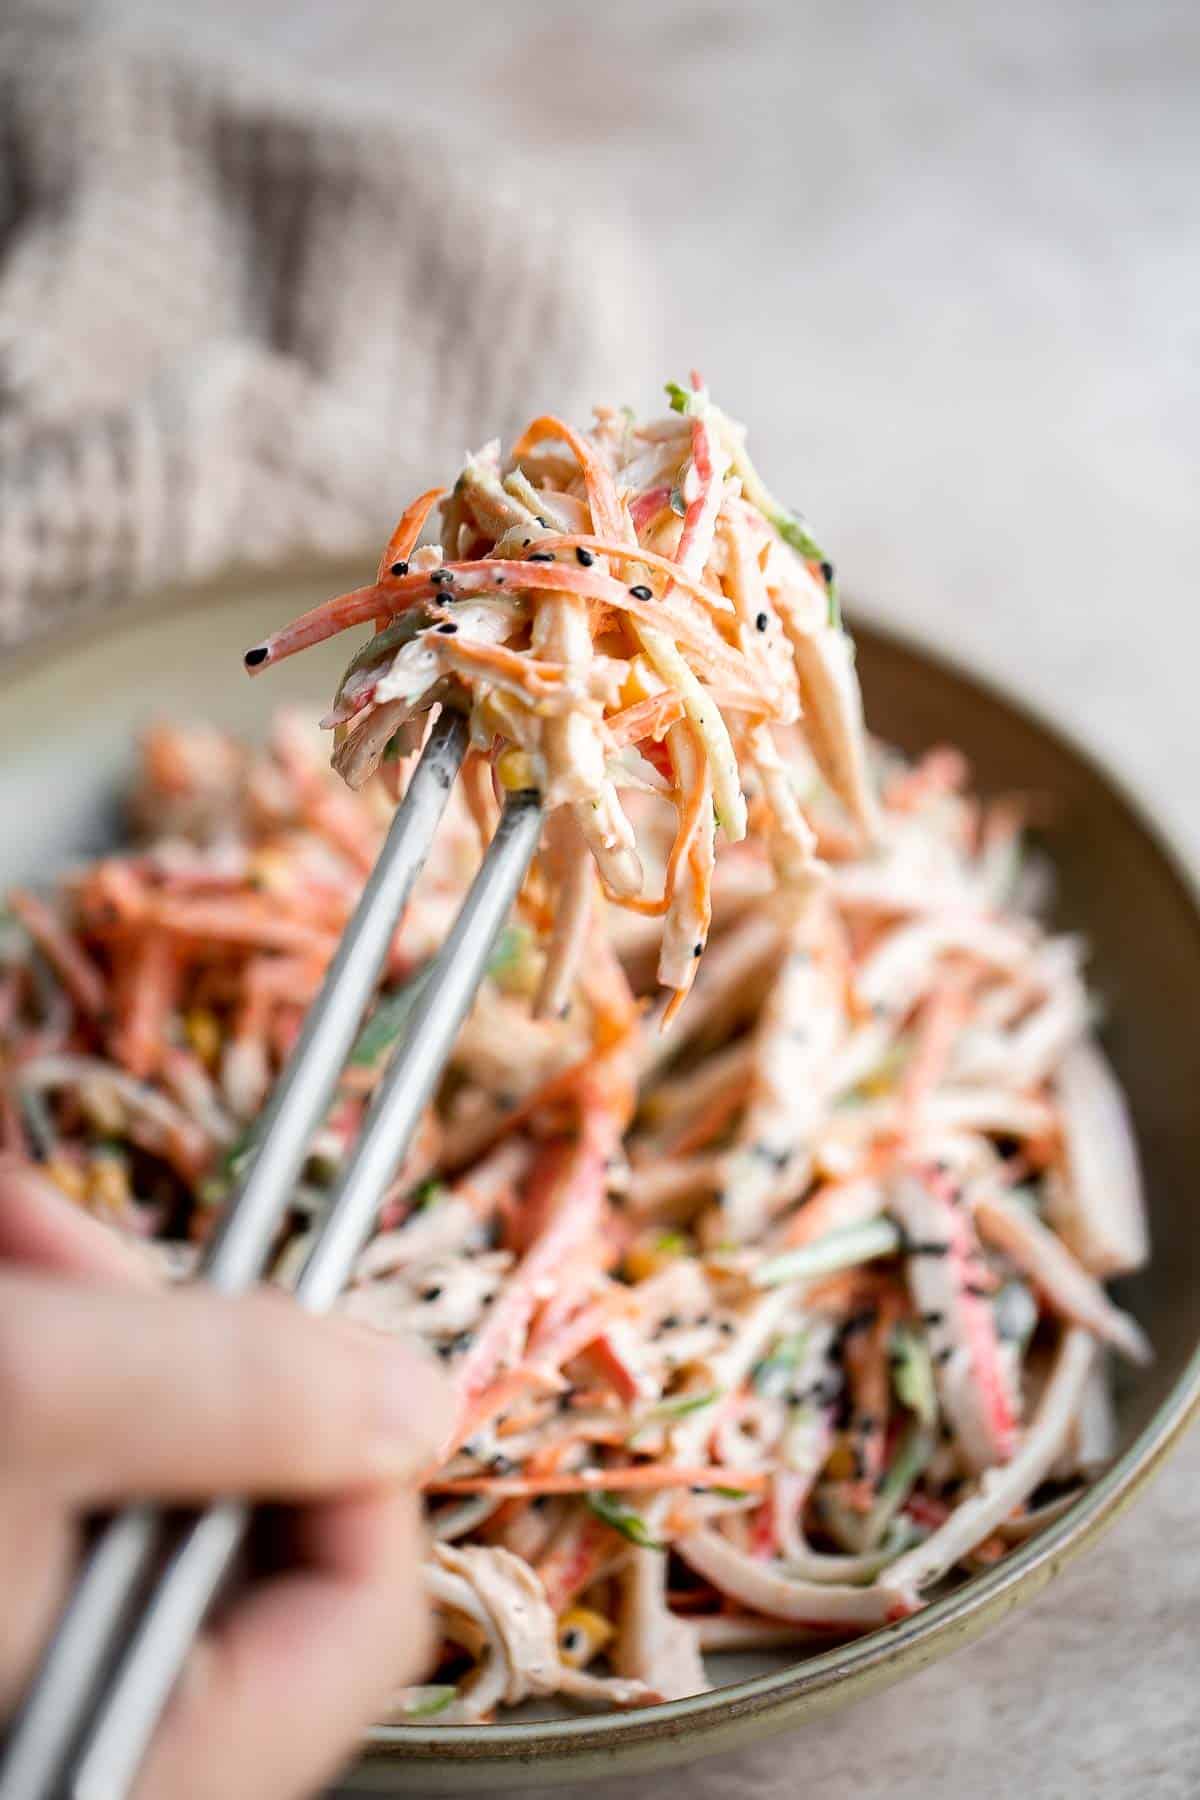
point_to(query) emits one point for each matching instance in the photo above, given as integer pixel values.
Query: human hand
(112, 1388)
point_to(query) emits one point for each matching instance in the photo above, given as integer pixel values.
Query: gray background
(946, 259)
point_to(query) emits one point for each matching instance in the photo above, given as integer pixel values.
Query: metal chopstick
(128, 1549)
(113, 1746)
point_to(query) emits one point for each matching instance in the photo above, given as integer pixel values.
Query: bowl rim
(542, 1751)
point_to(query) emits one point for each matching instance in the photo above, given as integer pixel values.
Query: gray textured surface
(947, 259)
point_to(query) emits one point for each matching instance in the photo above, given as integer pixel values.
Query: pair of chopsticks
(149, 1579)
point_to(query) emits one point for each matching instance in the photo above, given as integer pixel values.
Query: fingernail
(415, 1410)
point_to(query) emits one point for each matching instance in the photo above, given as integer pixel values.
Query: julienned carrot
(694, 802)
(638, 1477)
(147, 986)
(238, 922)
(495, 1399)
(573, 1217)
(650, 718)
(402, 542)
(688, 624)
(618, 552)
(603, 500)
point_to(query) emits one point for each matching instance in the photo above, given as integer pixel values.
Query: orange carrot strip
(650, 559)
(650, 718)
(238, 922)
(603, 501)
(408, 529)
(490, 1401)
(573, 1215)
(691, 627)
(146, 991)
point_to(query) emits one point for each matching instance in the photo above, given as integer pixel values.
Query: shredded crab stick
(1047, 1262)
(1001, 1491)
(747, 1306)
(944, 1275)
(544, 632)
(1097, 1205)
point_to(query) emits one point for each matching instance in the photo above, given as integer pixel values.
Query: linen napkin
(240, 320)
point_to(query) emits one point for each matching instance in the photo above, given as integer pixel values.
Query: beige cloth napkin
(239, 322)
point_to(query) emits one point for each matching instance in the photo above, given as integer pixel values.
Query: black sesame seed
(933, 1318)
(827, 571)
(542, 522)
(448, 629)
(445, 1351)
(915, 1248)
(697, 949)
(584, 556)
(943, 1355)
(670, 1323)
(859, 1321)
(501, 1465)
(761, 622)
(727, 1328)
(430, 1294)
(253, 657)
(571, 1640)
(398, 568)
(641, 592)
(540, 556)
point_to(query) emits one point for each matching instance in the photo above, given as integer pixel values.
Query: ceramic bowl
(66, 727)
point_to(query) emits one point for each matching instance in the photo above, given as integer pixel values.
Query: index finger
(185, 1393)
(40, 1228)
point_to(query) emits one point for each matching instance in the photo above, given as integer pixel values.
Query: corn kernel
(515, 770)
(840, 1463)
(68, 1177)
(640, 682)
(582, 1635)
(108, 1186)
(203, 1034)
